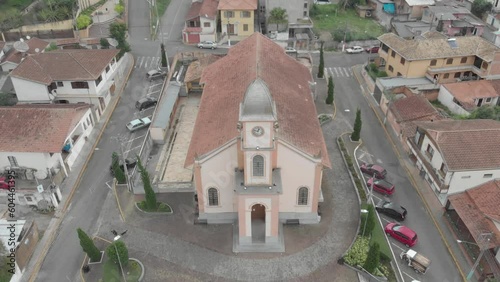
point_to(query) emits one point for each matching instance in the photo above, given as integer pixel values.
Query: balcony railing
(428, 167)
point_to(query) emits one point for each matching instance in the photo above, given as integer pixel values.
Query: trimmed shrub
(373, 258)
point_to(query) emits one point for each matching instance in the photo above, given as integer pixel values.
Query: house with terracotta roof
(455, 155)
(66, 77)
(195, 69)
(413, 8)
(2, 51)
(442, 60)
(237, 19)
(476, 213)
(201, 22)
(404, 111)
(13, 57)
(464, 97)
(257, 149)
(43, 137)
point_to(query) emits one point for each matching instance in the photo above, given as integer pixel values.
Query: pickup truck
(138, 124)
(418, 262)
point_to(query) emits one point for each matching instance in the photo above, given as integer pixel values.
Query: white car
(207, 45)
(138, 124)
(355, 49)
(154, 74)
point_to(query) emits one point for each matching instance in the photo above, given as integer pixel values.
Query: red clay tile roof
(2, 44)
(71, 64)
(466, 144)
(412, 108)
(34, 44)
(466, 92)
(204, 8)
(38, 128)
(478, 207)
(237, 5)
(226, 82)
(195, 69)
(66, 41)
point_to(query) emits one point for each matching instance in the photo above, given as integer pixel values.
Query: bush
(104, 43)
(119, 8)
(357, 254)
(372, 259)
(83, 21)
(373, 67)
(121, 257)
(382, 74)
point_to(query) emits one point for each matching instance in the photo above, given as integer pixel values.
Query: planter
(142, 268)
(102, 255)
(147, 212)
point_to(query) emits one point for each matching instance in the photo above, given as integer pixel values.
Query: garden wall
(61, 29)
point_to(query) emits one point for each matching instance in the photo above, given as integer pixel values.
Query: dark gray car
(146, 103)
(391, 209)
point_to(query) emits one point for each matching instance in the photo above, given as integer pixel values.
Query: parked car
(373, 49)
(354, 50)
(391, 209)
(4, 183)
(131, 163)
(146, 103)
(138, 124)
(373, 170)
(290, 50)
(207, 45)
(381, 186)
(154, 74)
(401, 233)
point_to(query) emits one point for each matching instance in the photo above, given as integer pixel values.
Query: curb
(118, 200)
(414, 183)
(44, 252)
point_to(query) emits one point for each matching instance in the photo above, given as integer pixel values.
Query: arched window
(213, 197)
(303, 196)
(258, 165)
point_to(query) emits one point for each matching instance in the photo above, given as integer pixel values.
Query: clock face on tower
(257, 131)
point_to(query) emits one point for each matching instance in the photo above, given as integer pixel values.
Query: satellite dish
(113, 42)
(21, 46)
(41, 174)
(28, 37)
(22, 40)
(37, 50)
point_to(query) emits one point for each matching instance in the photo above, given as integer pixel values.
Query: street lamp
(118, 256)
(483, 242)
(228, 37)
(363, 211)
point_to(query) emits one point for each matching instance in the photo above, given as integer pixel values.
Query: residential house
(439, 59)
(195, 69)
(43, 141)
(387, 87)
(256, 165)
(237, 19)
(21, 236)
(477, 215)
(21, 50)
(385, 11)
(464, 97)
(404, 111)
(67, 76)
(2, 51)
(299, 27)
(455, 155)
(201, 22)
(493, 19)
(453, 20)
(413, 8)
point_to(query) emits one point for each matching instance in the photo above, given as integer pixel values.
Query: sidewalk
(105, 13)
(70, 184)
(433, 206)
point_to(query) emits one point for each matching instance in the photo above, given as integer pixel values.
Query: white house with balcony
(67, 77)
(464, 97)
(455, 155)
(41, 143)
(201, 22)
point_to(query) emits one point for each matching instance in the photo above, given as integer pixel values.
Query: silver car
(154, 74)
(207, 45)
(138, 124)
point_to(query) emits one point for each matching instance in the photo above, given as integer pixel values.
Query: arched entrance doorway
(258, 223)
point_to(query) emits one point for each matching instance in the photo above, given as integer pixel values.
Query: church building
(257, 149)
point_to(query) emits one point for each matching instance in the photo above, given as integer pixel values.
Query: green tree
(357, 126)
(121, 257)
(119, 8)
(314, 10)
(278, 16)
(329, 98)
(163, 56)
(83, 21)
(485, 112)
(117, 170)
(118, 31)
(373, 258)
(9, 19)
(321, 67)
(150, 203)
(6, 99)
(104, 43)
(88, 245)
(371, 220)
(480, 7)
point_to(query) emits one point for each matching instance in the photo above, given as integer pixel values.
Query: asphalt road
(65, 255)
(378, 149)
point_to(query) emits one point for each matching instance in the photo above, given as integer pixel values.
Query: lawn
(112, 272)
(379, 237)
(15, 4)
(333, 19)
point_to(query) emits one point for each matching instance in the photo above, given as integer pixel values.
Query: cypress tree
(321, 67)
(88, 246)
(357, 126)
(329, 98)
(117, 170)
(373, 258)
(151, 203)
(163, 56)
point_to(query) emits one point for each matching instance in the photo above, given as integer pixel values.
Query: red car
(401, 233)
(373, 49)
(4, 183)
(381, 186)
(373, 170)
